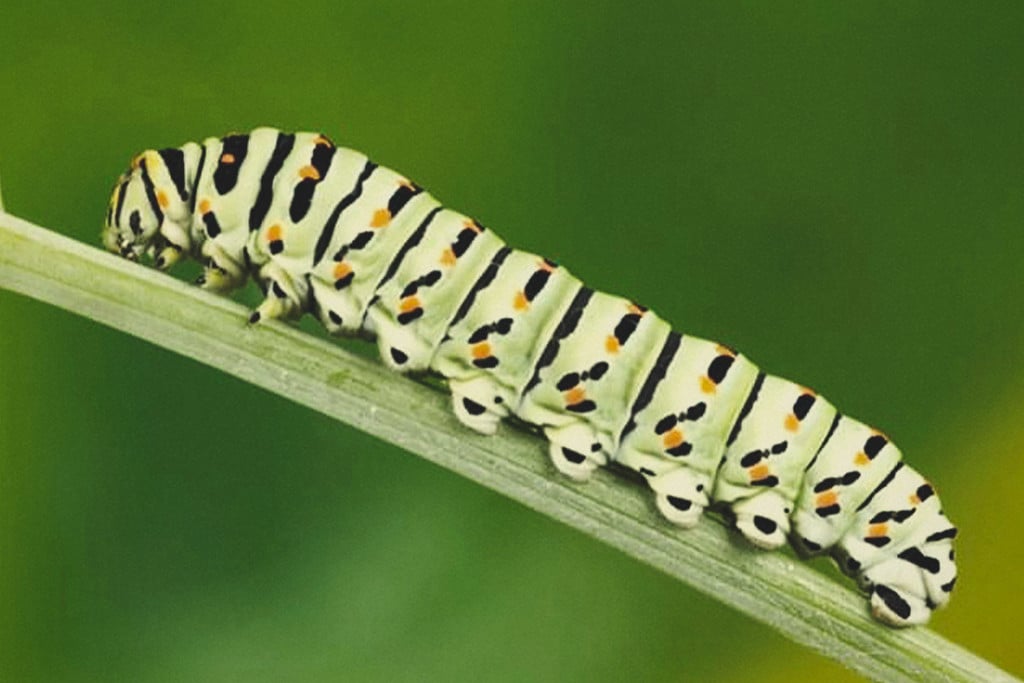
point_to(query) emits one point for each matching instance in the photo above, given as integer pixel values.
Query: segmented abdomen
(365, 249)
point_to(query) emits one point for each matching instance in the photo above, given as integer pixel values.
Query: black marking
(536, 283)
(893, 601)
(278, 291)
(885, 482)
(135, 222)
(398, 356)
(565, 327)
(213, 226)
(828, 510)
(764, 525)
(415, 238)
(666, 423)
(582, 407)
(719, 367)
(573, 456)
(767, 482)
(334, 317)
(174, 160)
(225, 177)
(302, 197)
(360, 241)
(831, 431)
(696, 411)
(472, 407)
(852, 564)
(485, 279)
(401, 197)
(831, 482)
(626, 327)
(647, 472)
(327, 233)
(949, 533)
(254, 318)
(915, 557)
(748, 405)
(276, 246)
(147, 183)
(803, 405)
(878, 541)
(925, 491)
(810, 545)
(597, 370)
(568, 381)
(409, 316)
(465, 239)
(195, 181)
(682, 504)
(752, 458)
(874, 445)
(682, 450)
(487, 363)
(780, 447)
(282, 148)
(948, 587)
(428, 280)
(654, 377)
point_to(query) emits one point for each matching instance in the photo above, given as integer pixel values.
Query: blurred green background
(834, 189)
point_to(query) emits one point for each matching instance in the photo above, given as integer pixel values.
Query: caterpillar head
(148, 211)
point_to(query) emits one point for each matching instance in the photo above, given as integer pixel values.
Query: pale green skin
(711, 472)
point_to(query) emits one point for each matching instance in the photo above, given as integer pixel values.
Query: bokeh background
(834, 189)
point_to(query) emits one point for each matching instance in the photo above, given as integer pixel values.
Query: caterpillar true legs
(325, 230)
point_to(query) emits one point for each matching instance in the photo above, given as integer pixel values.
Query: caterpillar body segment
(325, 230)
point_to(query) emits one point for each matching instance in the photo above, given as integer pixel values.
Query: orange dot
(707, 385)
(448, 257)
(876, 530)
(309, 172)
(792, 423)
(406, 183)
(633, 308)
(322, 140)
(161, 199)
(672, 439)
(410, 303)
(341, 270)
(472, 225)
(914, 500)
(381, 217)
(227, 158)
(274, 232)
(544, 265)
(861, 459)
(759, 471)
(724, 350)
(611, 344)
(481, 350)
(204, 206)
(826, 499)
(520, 303)
(575, 395)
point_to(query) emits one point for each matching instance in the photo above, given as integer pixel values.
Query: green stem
(773, 588)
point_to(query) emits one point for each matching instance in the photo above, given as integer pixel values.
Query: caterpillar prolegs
(327, 231)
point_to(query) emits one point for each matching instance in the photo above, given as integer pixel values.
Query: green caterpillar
(325, 230)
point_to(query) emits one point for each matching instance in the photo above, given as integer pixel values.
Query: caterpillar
(324, 230)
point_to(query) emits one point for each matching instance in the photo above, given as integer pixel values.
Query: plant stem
(773, 588)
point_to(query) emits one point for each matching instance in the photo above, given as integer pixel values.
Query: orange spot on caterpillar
(792, 424)
(448, 257)
(914, 500)
(204, 206)
(826, 499)
(381, 217)
(633, 308)
(520, 303)
(341, 270)
(723, 350)
(161, 199)
(406, 183)
(322, 140)
(544, 265)
(707, 385)
(227, 158)
(137, 161)
(274, 232)
(861, 459)
(611, 344)
(472, 225)
(876, 530)
(410, 303)
(481, 350)
(309, 172)
(575, 395)
(672, 439)
(759, 471)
